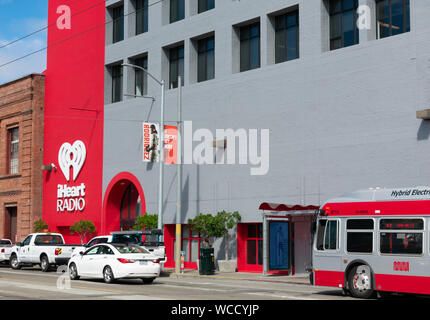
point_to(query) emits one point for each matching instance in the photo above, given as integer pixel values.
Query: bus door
(327, 253)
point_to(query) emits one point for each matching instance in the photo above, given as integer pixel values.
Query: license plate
(143, 262)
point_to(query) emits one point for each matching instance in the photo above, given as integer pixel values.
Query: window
(141, 77)
(327, 235)
(360, 240)
(105, 250)
(393, 17)
(205, 5)
(330, 237)
(401, 236)
(92, 251)
(13, 135)
(206, 59)
(254, 244)
(116, 73)
(127, 248)
(343, 26)
(287, 37)
(176, 66)
(118, 23)
(26, 241)
(97, 241)
(177, 10)
(190, 244)
(141, 16)
(48, 239)
(250, 47)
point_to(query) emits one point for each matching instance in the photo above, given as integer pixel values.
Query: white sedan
(115, 261)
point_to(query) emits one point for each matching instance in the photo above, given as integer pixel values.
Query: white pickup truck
(5, 250)
(45, 249)
(150, 241)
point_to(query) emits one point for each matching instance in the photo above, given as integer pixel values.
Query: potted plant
(146, 222)
(40, 226)
(211, 227)
(82, 228)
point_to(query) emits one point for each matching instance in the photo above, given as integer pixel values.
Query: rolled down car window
(131, 249)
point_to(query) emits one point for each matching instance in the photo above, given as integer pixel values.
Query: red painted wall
(74, 102)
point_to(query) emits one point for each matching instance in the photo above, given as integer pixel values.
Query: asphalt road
(31, 283)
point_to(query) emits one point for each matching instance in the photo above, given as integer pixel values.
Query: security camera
(53, 166)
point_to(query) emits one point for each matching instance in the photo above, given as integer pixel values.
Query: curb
(183, 275)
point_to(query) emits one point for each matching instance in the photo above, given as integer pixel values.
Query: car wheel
(148, 280)
(108, 275)
(73, 272)
(360, 282)
(44, 263)
(14, 263)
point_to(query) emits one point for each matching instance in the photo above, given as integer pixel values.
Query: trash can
(206, 261)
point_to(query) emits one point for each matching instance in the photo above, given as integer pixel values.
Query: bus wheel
(360, 282)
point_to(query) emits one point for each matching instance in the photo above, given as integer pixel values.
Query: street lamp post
(161, 176)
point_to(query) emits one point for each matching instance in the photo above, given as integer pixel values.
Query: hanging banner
(151, 143)
(170, 144)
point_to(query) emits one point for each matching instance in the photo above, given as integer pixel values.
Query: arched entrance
(124, 201)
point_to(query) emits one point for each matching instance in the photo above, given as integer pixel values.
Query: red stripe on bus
(400, 283)
(329, 278)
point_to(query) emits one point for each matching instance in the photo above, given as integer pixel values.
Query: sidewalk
(296, 279)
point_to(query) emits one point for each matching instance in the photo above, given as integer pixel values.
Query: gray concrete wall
(339, 120)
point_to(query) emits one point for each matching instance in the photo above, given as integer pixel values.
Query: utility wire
(48, 26)
(74, 36)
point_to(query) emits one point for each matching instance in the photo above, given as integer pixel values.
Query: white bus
(374, 240)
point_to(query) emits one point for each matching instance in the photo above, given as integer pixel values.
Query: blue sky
(19, 18)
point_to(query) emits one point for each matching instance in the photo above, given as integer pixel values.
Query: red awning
(285, 207)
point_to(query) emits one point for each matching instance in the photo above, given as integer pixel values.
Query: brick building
(21, 143)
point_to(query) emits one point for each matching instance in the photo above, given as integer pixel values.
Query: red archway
(124, 189)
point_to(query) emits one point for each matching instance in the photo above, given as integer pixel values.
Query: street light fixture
(160, 184)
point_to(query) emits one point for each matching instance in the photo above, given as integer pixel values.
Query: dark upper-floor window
(176, 66)
(250, 47)
(206, 59)
(393, 17)
(141, 16)
(205, 5)
(118, 23)
(343, 23)
(141, 77)
(177, 10)
(13, 137)
(287, 37)
(116, 74)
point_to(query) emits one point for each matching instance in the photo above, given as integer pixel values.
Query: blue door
(279, 251)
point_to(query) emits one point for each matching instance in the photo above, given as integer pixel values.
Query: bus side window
(320, 234)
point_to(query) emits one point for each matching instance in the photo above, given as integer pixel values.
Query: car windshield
(130, 249)
(5, 242)
(48, 239)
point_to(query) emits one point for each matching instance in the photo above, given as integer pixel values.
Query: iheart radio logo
(72, 156)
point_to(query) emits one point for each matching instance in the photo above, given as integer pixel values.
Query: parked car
(115, 261)
(45, 249)
(147, 238)
(5, 250)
